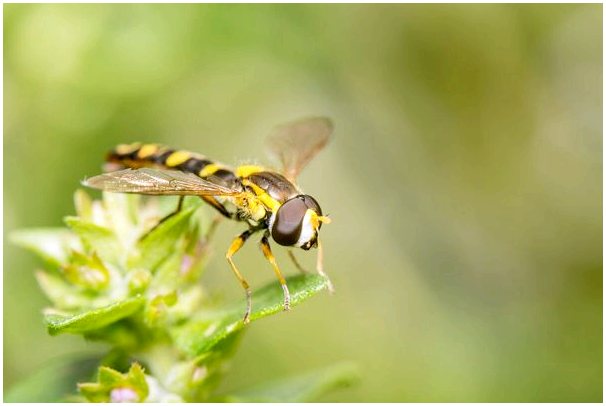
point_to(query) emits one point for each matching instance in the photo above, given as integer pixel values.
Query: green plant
(169, 339)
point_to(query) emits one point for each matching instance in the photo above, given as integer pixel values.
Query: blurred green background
(464, 179)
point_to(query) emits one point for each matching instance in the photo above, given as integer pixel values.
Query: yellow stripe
(124, 149)
(147, 150)
(209, 170)
(177, 158)
(269, 201)
(265, 198)
(247, 170)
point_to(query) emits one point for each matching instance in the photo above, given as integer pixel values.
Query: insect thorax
(265, 192)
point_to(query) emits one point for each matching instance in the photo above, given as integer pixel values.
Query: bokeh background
(464, 179)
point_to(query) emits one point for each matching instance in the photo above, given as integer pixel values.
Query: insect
(268, 201)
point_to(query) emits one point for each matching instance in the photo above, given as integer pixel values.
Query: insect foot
(286, 297)
(246, 319)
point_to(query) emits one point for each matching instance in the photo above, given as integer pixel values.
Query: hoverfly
(268, 201)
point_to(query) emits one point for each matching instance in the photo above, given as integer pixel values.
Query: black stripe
(193, 165)
(132, 155)
(161, 159)
(224, 174)
(114, 155)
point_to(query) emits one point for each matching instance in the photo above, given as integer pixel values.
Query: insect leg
(270, 257)
(236, 244)
(163, 219)
(180, 204)
(215, 204)
(297, 264)
(320, 267)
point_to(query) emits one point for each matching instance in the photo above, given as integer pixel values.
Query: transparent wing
(294, 144)
(149, 181)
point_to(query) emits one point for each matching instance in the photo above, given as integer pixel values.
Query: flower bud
(123, 395)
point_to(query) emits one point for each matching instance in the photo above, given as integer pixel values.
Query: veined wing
(149, 181)
(294, 144)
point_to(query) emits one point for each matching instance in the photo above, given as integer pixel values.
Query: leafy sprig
(117, 276)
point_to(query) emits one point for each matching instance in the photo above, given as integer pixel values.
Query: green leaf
(160, 242)
(126, 335)
(108, 376)
(200, 336)
(96, 238)
(93, 319)
(167, 274)
(301, 388)
(51, 244)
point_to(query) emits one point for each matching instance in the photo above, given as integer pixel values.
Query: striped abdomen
(267, 190)
(154, 155)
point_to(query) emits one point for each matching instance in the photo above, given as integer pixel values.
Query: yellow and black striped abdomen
(264, 190)
(139, 155)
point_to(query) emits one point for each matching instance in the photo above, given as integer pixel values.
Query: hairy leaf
(93, 319)
(200, 336)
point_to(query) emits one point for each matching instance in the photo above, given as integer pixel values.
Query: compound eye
(287, 226)
(311, 203)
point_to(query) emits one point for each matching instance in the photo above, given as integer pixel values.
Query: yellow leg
(297, 264)
(270, 257)
(320, 267)
(236, 244)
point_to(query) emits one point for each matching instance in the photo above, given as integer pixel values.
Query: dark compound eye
(289, 221)
(311, 203)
